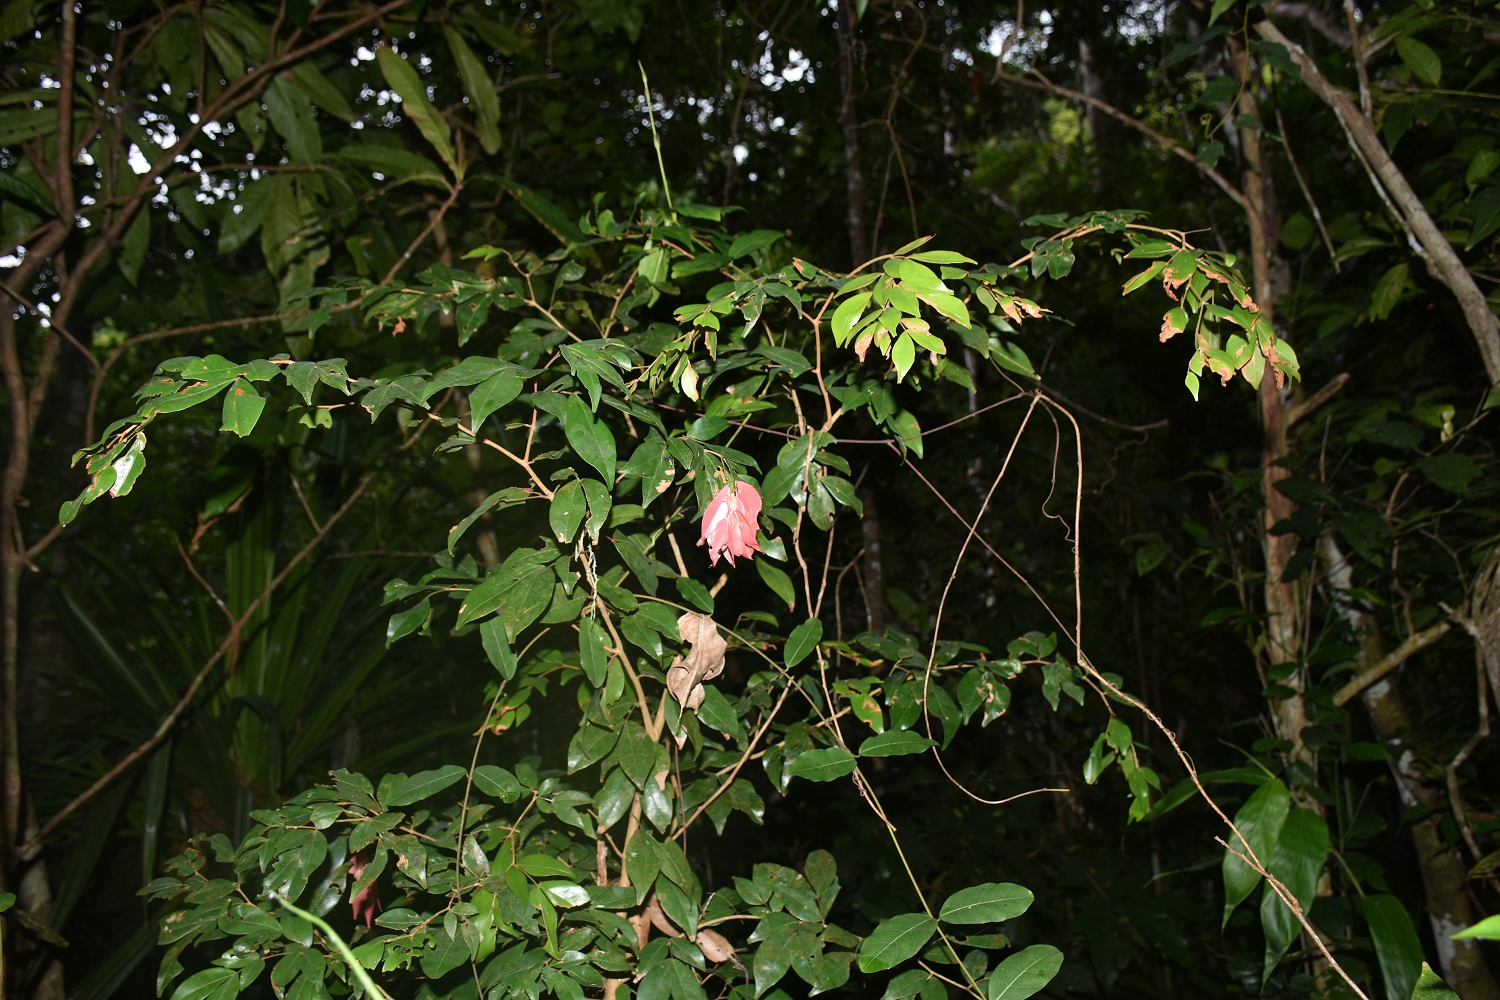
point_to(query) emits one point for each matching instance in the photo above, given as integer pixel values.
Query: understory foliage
(515, 881)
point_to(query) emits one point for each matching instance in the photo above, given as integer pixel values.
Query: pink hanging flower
(729, 523)
(366, 903)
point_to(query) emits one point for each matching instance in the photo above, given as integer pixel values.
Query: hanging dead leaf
(704, 661)
(658, 918)
(715, 946)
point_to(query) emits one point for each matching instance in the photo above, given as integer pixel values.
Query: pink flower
(729, 523)
(366, 901)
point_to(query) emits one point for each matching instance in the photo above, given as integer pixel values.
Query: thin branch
(306, 509)
(205, 584)
(1314, 16)
(1455, 796)
(749, 751)
(1360, 56)
(1297, 411)
(48, 320)
(422, 236)
(1409, 647)
(963, 550)
(1286, 144)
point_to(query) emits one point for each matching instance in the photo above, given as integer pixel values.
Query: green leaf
(1451, 471)
(803, 640)
(636, 753)
(395, 164)
(1025, 973)
(589, 746)
(133, 247)
(423, 784)
(491, 394)
(1430, 986)
(447, 953)
(695, 594)
(497, 647)
(567, 510)
(243, 216)
(479, 88)
(404, 623)
(642, 861)
(903, 355)
(15, 187)
(7, 900)
(544, 866)
(1423, 62)
(987, 903)
(942, 257)
(1297, 862)
(750, 242)
(779, 582)
(908, 432)
(896, 743)
(591, 651)
(1010, 357)
(292, 116)
(847, 315)
(16, 19)
(1388, 291)
(1486, 213)
(311, 81)
(1396, 944)
(822, 765)
(613, 800)
(210, 984)
(415, 105)
(497, 501)
(497, 782)
(895, 940)
(591, 439)
(1260, 819)
(525, 602)
(716, 711)
(1220, 6)
(1488, 928)
(243, 406)
(600, 504)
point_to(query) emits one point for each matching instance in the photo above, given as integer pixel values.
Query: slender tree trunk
(854, 177)
(1449, 908)
(873, 576)
(1283, 598)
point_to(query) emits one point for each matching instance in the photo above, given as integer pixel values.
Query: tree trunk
(1283, 598)
(1443, 876)
(854, 177)
(873, 577)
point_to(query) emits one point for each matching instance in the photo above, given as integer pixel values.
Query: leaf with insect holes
(243, 406)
